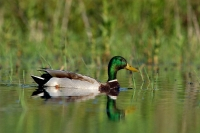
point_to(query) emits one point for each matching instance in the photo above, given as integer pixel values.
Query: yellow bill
(128, 67)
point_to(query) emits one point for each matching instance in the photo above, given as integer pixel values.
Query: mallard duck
(59, 78)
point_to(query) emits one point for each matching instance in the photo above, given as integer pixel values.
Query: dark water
(167, 102)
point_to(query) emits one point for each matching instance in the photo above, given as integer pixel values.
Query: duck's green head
(117, 63)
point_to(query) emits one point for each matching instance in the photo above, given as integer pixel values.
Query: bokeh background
(65, 33)
(81, 36)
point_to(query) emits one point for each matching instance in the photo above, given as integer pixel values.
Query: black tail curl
(42, 80)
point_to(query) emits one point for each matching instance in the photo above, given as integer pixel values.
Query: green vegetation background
(70, 34)
(66, 33)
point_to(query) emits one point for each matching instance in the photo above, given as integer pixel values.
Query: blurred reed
(66, 32)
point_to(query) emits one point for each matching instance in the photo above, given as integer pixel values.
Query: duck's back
(72, 80)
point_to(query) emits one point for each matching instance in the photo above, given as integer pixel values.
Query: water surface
(167, 102)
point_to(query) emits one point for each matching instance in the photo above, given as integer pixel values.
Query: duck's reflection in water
(57, 95)
(113, 112)
(66, 94)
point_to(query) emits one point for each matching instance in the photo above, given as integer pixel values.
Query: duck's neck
(112, 74)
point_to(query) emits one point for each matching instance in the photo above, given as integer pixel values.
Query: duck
(61, 78)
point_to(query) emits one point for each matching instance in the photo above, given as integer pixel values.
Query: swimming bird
(60, 78)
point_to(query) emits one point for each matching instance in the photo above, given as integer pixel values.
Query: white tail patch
(37, 77)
